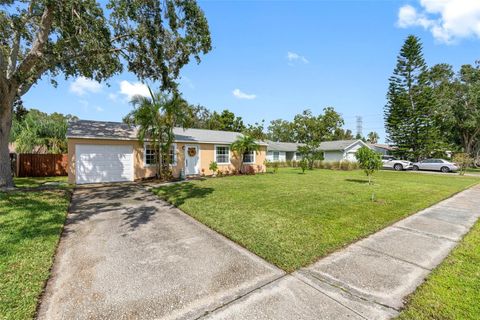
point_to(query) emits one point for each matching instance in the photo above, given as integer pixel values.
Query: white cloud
(447, 20)
(99, 109)
(239, 94)
(84, 85)
(129, 90)
(113, 97)
(292, 57)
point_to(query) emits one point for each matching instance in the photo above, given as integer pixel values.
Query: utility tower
(359, 126)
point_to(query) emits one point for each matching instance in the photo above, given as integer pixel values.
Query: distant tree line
(431, 110)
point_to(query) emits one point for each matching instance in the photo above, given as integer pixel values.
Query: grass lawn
(452, 291)
(473, 170)
(292, 219)
(40, 181)
(30, 226)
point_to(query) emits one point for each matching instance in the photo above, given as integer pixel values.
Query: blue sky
(273, 59)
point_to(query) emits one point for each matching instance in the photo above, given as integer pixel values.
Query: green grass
(452, 291)
(30, 226)
(473, 170)
(292, 219)
(39, 181)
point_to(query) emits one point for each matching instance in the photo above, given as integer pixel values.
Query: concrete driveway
(125, 254)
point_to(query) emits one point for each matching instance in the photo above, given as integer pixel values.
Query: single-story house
(341, 150)
(383, 149)
(283, 151)
(101, 151)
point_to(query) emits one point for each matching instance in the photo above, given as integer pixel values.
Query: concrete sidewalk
(368, 279)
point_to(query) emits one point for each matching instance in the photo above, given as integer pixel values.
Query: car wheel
(415, 168)
(445, 169)
(398, 167)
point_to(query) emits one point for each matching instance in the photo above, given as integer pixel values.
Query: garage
(103, 163)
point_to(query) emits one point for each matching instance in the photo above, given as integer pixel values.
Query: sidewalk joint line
(427, 233)
(206, 313)
(330, 297)
(393, 257)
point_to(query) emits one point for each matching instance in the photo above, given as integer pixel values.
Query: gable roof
(87, 129)
(338, 145)
(283, 146)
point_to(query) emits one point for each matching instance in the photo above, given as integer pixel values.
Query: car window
(426, 161)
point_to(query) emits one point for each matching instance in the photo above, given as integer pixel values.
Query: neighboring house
(110, 151)
(283, 151)
(341, 150)
(383, 149)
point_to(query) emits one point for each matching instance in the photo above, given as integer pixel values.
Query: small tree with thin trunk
(463, 160)
(369, 161)
(243, 145)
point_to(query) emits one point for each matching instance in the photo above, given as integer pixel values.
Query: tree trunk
(6, 103)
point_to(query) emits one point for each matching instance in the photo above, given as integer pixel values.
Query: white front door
(192, 160)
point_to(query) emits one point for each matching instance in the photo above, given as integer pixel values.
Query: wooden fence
(41, 165)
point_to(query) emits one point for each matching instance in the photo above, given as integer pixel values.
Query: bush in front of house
(304, 165)
(213, 167)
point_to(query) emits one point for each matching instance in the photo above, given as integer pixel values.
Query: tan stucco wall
(207, 155)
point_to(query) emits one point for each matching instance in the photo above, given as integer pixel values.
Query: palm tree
(242, 145)
(155, 117)
(373, 137)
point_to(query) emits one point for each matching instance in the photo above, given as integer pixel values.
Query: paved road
(127, 255)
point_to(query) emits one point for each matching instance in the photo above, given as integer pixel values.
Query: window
(249, 157)
(151, 151)
(298, 156)
(276, 156)
(222, 154)
(173, 154)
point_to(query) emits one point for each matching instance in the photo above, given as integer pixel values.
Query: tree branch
(41, 38)
(12, 59)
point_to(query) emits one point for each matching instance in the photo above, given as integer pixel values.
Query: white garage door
(103, 163)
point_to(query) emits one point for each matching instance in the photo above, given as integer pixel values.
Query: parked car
(390, 162)
(435, 165)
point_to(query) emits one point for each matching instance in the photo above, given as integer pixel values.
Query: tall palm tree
(155, 117)
(242, 145)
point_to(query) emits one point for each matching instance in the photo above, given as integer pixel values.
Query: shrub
(213, 167)
(250, 170)
(335, 165)
(275, 166)
(344, 165)
(304, 165)
(463, 160)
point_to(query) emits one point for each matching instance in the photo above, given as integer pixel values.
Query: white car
(390, 162)
(435, 165)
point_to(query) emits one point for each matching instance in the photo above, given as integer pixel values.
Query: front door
(191, 160)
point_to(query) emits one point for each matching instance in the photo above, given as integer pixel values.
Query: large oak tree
(151, 38)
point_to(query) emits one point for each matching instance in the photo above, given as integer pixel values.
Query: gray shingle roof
(121, 131)
(283, 146)
(336, 145)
